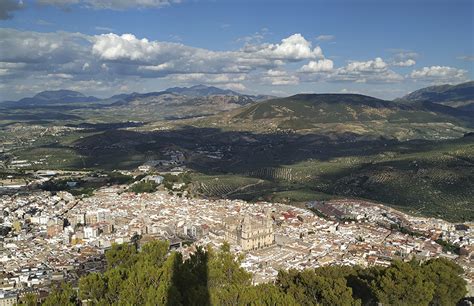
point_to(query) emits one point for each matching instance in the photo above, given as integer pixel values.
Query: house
(157, 179)
(8, 298)
(144, 168)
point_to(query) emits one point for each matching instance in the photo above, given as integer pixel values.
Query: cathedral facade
(250, 233)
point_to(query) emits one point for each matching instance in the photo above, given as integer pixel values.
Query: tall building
(250, 233)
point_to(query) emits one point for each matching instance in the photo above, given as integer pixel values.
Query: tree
(266, 295)
(167, 292)
(143, 187)
(193, 279)
(225, 276)
(224, 269)
(446, 275)
(124, 255)
(115, 281)
(29, 299)
(326, 286)
(63, 295)
(155, 276)
(360, 281)
(403, 284)
(92, 288)
(155, 252)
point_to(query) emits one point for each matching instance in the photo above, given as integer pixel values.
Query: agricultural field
(433, 179)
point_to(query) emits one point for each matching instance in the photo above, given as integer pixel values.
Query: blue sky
(383, 48)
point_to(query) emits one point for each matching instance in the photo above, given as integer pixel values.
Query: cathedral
(250, 233)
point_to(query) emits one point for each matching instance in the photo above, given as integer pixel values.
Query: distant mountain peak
(48, 97)
(459, 95)
(55, 94)
(202, 90)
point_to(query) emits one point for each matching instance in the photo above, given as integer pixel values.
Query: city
(50, 238)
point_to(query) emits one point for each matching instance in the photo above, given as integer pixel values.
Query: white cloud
(294, 48)
(279, 77)
(222, 78)
(103, 29)
(402, 54)
(349, 91)
(235, 86)
(325, 37)
(371, 71)
(110, 4)
(369, 66)
(406, 63)
(124, 4)
(467, 58)
(60, 75)
(160, 67)
(127, 46)
(255, 38)
(439, 74)
(160, 56)
(323, 65)
(34, 47)
(64, 59)
(60, 3)
(403, 58)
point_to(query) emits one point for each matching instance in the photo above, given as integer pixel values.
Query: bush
(142, 187)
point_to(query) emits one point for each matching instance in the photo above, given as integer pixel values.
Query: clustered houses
(46, 238)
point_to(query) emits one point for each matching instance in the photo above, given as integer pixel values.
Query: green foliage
(170, 179)
(224, 268)
(119, 178)
(445, 274)
(325, 286)
(63, 295)
(154, 252)
(156, 276)
(121, 255)
(447, 246)
(403, 284)
(142, 187)
(92, 287)
(29, 299)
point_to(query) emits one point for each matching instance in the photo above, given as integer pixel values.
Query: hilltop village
(47, 238)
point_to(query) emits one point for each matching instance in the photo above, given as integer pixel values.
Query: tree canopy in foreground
(155, 276)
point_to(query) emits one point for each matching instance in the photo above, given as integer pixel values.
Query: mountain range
(70, 97)
(460, 96)
(172, 103)
(50, 97)
(425, 113)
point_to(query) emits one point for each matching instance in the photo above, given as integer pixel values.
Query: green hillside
(361, 116)
(424, 178)
(331, 108)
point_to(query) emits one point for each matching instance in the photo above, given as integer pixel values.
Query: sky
(382, 48)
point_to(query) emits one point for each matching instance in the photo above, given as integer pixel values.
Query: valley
(414, 157)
